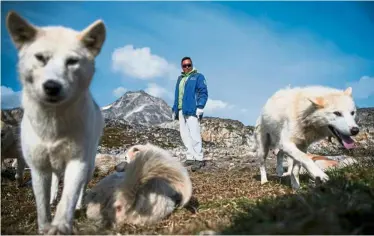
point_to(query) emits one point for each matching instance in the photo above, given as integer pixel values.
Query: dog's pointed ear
(348, 91)
(319, 102)
(20, 30)
(93, 37)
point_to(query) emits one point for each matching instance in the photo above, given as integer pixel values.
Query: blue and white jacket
(195, 94)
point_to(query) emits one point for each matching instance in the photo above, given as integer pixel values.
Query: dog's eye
(337, 113)
(71, 61)
(352, 113)
(40, 57)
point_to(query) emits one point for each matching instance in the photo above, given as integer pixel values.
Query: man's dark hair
(186, 58)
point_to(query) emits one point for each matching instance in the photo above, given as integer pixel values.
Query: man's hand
(199, 113)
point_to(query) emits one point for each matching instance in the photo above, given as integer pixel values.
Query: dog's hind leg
(279, 169)
(54, 188)
(263, 141)
(290, 162)
(20, 170)
(295, 171)
(289, 166)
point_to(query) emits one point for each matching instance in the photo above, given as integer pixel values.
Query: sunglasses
(186, 65)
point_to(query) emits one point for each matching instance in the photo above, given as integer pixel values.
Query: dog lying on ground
(62, 124)
(293, 118)
(326, 163)
(153, 185)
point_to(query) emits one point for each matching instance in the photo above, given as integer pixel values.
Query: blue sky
(246, 50)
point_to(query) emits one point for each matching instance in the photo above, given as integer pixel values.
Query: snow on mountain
(138, 107)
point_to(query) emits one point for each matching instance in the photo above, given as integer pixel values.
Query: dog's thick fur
(152, 186)
(293, 118)
(62, 124)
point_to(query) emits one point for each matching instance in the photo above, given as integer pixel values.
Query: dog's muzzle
(53, 90)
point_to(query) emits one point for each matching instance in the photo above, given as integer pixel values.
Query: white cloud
(158, 91)
(140, 63)
(118, 92)
(10, 98)
(214, 105)
(362, 88)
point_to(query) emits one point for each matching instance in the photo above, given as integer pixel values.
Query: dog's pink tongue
(348, 142)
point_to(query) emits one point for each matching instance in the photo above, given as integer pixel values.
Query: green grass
(344, 205)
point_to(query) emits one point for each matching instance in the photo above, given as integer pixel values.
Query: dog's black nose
(52, 88)
(355, 130)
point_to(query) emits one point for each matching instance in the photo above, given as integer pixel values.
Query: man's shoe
(189, 162)
(197, 165)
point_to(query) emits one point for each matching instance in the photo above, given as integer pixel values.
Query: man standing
(191, 95)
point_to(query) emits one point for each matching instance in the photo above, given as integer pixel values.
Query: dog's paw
(60, 229)
(322, 177)
(295, 185)
(264, 181)
(279, 171)
(79, 206)
(286, 174)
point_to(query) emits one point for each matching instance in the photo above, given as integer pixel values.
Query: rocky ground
(227, 190)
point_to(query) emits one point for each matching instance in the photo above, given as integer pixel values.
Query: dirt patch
(235, 203)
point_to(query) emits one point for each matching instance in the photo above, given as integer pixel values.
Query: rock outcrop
(229, 143)
(10, 141)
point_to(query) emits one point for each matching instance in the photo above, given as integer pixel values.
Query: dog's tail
(155, 184)
(257, 130)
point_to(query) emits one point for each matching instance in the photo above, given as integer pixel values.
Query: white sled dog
(152, 186)
(62, 124)
(293, 118)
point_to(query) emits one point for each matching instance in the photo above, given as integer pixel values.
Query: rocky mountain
(12, 116)
(138, 108)
(10, 143)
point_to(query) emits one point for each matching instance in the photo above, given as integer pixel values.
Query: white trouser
(191, 137)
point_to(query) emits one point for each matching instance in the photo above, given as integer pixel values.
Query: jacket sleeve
(202, 92)
(175, 104)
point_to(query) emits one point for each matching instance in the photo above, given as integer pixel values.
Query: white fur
(145, 193)
(293, 118)
(58, 137)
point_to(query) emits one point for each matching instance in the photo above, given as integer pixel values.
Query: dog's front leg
(291, 149)
(279, 168)
(74, 178)
(41, 184)
(90, 173)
